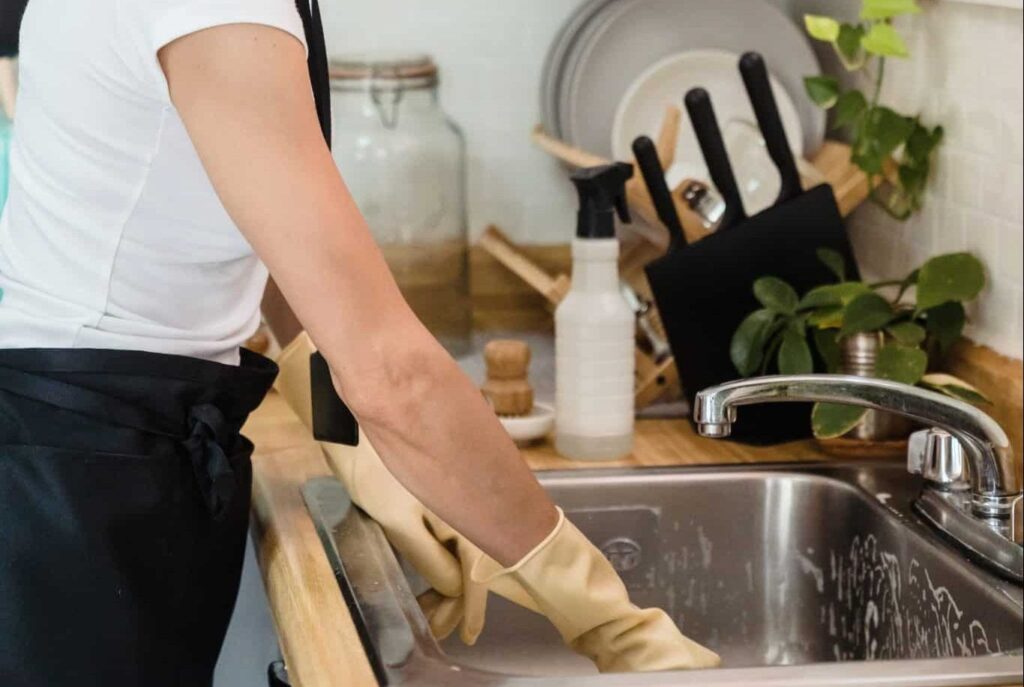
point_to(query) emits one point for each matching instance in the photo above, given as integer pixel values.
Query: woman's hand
(244, 95)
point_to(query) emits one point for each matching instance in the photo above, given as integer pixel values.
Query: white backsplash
(965, 73)
(490, 55)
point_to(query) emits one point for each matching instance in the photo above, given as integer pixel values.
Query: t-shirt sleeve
(171, 19)
(148, 25)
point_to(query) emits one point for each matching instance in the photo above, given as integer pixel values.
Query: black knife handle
(709, 136)
(654, 176)
(759, 90)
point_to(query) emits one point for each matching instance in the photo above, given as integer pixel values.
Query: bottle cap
(602, 193)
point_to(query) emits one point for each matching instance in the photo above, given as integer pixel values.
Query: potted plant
(885, 144)
(904, 338)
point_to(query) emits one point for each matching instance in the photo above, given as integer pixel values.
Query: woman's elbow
(391, 392)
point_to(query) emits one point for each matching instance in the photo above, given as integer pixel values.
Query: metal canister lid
(383, 70)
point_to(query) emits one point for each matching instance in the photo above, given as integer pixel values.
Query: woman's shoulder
(167, 20)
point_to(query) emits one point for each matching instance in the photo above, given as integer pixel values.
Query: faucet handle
(938, 456)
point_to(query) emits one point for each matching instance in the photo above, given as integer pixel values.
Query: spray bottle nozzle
(602, 193)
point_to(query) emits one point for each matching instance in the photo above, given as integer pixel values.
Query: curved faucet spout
(995, 486)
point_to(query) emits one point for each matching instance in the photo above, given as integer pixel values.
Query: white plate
(631, 35)
(665, 82)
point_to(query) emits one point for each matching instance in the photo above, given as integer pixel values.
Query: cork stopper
(507, 387)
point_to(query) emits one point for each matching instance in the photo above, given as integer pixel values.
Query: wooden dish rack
(657, 381)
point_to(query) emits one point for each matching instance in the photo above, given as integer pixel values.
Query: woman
(166, 150)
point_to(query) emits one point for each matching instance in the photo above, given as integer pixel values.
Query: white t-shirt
(113, 236)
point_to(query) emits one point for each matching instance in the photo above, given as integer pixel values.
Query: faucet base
(993, 542)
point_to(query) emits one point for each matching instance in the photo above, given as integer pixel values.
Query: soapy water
(870, 605)
(877, 609)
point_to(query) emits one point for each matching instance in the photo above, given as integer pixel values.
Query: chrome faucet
(982, 513)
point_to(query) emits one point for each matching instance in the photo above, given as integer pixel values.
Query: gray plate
(558, 53)
(627, 36)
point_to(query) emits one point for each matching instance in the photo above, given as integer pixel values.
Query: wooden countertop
(319, 641)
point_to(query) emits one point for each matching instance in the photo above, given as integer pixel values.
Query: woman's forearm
(429, 423)
(440, 438)
(243, 93)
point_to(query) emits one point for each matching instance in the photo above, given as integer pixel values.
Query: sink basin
(810, 574)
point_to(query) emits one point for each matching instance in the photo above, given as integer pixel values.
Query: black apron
(124, 501)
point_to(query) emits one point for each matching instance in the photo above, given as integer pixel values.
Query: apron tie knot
(208, 429)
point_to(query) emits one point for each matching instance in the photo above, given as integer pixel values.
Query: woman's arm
(243, 92)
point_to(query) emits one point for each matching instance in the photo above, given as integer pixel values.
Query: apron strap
(332, 420)
(203, 435)
(319, 77)
(92, 404)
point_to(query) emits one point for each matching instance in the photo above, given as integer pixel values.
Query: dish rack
(657, 378)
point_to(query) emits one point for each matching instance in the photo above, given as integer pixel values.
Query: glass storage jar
(404, 162)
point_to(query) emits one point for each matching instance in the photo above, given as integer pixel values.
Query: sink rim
(402, 649)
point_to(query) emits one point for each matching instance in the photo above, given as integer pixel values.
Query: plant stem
(875, 97)
(878, 82)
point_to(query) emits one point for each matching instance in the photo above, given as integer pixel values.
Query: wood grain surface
(320, 643)
(1002, 380)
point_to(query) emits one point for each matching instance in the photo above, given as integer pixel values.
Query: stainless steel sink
(796, 574)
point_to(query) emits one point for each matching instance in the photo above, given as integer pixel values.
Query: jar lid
(384, 69)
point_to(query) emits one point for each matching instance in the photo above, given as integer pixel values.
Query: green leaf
(907, 333)
(868, 312)
(905, 364)
(822, 28)
(774, 342)
(828, 317)
(831, 420)
(794, 353)
(912, 178)
(885, 41)
(866, 154)
(827, 343)
(833, 294)
(833, 260)
(747, 347)
(922, 142)
(823, 90)
(951, 277)
(886, 9)
(953, 387)
(890, 129)
(848, 46)
(908, 281)
(882, 131)
(849, 108)
(945, 323)
(775, 294)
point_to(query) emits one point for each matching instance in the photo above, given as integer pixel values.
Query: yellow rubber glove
(577, 589)
(439, 554)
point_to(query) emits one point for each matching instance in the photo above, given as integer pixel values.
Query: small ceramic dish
(525, 429)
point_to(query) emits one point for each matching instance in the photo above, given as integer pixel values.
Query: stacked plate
(613, 59)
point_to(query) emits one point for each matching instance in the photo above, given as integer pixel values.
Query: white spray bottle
(595, 328)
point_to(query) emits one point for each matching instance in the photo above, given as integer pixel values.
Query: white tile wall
(490, 54)
(966, 73)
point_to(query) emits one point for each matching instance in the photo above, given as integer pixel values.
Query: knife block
(704, 290)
